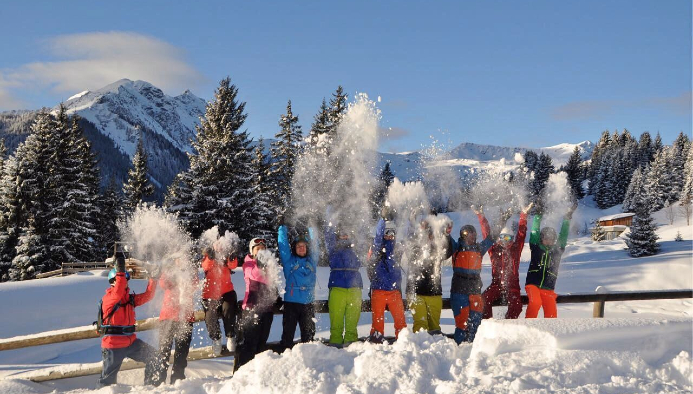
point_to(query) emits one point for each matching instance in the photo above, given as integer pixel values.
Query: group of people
(247, 330)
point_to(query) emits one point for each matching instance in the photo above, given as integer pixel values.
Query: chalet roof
(616, 216)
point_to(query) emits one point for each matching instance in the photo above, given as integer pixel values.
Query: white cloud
(93, 60)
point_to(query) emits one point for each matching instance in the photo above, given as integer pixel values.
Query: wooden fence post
(598, 308)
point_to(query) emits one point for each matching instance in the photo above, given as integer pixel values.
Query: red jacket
(505, 261)
(125, 315)
(177, 306)
(217, 277)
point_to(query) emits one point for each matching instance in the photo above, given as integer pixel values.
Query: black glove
(279, 302)
(387, 213)
(280, 219)
(120, 262)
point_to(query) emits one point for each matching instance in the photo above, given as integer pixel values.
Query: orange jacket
(174, 306)
(217, 277)
(125, 315)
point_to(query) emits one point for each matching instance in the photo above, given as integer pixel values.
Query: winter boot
(376, 337)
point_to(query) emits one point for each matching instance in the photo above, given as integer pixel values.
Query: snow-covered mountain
(116, 115)
(473, 157)
(125, 108)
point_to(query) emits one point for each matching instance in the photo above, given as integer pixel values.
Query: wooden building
(614, 225)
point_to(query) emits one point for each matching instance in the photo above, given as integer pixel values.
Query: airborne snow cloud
(91, 60)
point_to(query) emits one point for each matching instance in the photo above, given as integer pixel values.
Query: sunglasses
(259, 241)
(506, 237)
(390, 232)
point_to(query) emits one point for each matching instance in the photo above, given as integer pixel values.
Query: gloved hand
(387, 213)
(528, 208)
(572, 209)
(120, 261)
(154, 271)
(477, 210)
(279, 302)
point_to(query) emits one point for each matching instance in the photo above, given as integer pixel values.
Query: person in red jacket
(219, 298)
(119, 339)
(176, 320)
(505, 264)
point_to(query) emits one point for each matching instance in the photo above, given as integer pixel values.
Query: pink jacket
(256, 283)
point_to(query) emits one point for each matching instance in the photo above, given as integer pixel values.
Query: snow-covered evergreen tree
(687, 191)
(656, 186)
(30, 254)
(264, 209)
(637, 185)
(3, 153)
(380, 191)
(642, 239)
(10, 215)
(657, 146)
(137, 187)
(677, 163)
(338, 105)
(111, 211)
(645, 150)
(594, 169)
(285, 151)
(217, 189)
(319, 129)
(542, 172)
(598, 234)
(574, 172)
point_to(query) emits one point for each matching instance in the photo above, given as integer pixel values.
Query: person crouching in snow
(465, 291)
(176, 319)
(505, 264)
(118, 328)
(219, 299)
(344, 299)
(299, 259)
(424, 288)
(385, 274)
(258, 306)
(543, 266)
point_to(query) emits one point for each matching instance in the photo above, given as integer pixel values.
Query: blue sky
(512, 73)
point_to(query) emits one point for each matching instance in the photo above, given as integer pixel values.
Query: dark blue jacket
(344, 265)
(545, 261)
(299, 272)
(387, 273)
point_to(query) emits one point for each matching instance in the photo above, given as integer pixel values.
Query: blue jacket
(344, 265)
(299, 272)
(386, 272)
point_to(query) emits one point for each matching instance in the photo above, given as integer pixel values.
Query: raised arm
(330, 239)
(379, 233)
(147, 295)
(521, 231)
(283, 244)
(534, 236)
(565, 228)
(314, 249)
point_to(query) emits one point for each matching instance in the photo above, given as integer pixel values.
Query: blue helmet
(112, 275)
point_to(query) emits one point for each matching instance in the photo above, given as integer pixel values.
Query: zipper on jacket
(544, 260)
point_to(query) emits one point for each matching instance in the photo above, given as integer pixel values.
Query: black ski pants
(224, 308)
(301, 314)
(170, 332)
(254, 332)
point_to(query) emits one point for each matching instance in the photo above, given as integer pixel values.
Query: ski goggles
(506, 237)
(390, 232)
(259, 241)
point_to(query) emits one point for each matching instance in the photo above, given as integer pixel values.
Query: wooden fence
(86, 332)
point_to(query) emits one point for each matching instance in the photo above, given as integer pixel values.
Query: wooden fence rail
(598, 299)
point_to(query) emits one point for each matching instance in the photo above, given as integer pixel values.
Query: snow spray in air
(337, 172)
(155, 237)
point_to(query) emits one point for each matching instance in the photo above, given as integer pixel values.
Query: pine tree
(3, 153)
(217, 189)
(642, 239)
(336, 110)
(637, 185)
(320, 129)
(645, 150)
(655, 182)
(574, 173)
(687, 191)
(598, 234)
(544, 169)
(677, 163)
(285, 151)
(137, 187)
(111, 211)
(594, 168)
(264, 211)
(385, 179)
(658, 145)
(10, 215)
(30, 254)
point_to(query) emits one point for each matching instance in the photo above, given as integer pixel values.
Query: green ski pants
(426, 312)
(345, 306)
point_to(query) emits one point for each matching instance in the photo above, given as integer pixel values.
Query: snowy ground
(639, 347)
